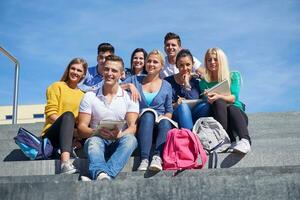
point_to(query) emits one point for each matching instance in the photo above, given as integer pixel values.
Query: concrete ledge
(225, 160)
(285, 186)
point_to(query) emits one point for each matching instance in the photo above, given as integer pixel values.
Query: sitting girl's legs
(61, 136)
(183, 115)
(162, 129)
(238, 122)
(202, 109)
(145, 134)
(61, 132)
(219, 112)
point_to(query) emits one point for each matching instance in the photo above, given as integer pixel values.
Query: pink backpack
(183, 150)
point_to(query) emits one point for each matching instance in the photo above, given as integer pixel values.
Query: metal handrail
(16, 83)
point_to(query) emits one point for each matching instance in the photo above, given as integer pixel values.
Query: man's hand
(109, 134)
(135, 95)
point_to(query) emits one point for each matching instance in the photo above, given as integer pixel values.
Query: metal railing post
(16, 83)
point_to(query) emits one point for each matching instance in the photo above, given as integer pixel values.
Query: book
(157, 117)
(191, 102)
(110, 124)
(221, 88)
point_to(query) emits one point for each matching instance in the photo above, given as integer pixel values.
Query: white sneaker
(231, 147)
(67, 167)
(155, 164)
(144, 165)
(103, 176)
(242, 146)
(85, 178)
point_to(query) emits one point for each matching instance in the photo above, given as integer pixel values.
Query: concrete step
(263, 183)
(51, 167)
(14, 127)
(40, 178)
(263, 143)
(224, 160)
(259, 124)
(135, 175)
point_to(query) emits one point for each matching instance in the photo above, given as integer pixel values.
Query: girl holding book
(63, 99)
(156, 98)
(226, 109)
(186, 87)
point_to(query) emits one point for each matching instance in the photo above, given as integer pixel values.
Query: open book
(158, 118)
(191, 102)
(110, 124)
(220, 88)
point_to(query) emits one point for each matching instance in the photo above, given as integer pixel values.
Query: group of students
(85, 96)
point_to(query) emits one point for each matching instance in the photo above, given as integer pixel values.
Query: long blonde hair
(223, 68)
(65, 76)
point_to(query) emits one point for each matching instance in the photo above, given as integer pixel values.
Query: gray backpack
(212, 135)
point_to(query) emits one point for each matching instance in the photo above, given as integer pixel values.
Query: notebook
(221, 88)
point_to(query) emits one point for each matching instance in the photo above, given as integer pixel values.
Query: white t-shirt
(95, 104)
(171, 69)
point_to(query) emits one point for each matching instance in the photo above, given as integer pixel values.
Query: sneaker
(242, 146)
(144, 165)
(231, 147)
(103, 176)
(67, 167)
(85, 178)
(155, 164)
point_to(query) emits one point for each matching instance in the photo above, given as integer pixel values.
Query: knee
(232, 109)
(202, 109)
(147, 115)
(69, 116)
(183, 108)
(129, 140)
(164, 123)
(93, 143)
(219, 103)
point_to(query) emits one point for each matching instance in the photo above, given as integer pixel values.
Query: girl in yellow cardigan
(63, 99)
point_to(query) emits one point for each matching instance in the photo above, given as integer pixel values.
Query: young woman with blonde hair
(156, 94)
(227, 109)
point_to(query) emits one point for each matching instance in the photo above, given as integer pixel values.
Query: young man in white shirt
(172, 45)
(109, 102)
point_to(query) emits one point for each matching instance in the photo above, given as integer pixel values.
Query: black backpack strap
(213, 160)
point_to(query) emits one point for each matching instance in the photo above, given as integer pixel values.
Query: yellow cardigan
(61, 98)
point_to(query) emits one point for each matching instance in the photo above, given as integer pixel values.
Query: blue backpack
(32, 146)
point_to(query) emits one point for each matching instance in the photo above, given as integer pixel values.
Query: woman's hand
(178, 102)
(187, 78)
(212, 97)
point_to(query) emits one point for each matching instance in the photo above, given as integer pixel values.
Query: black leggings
(232, 119)
(61, 132)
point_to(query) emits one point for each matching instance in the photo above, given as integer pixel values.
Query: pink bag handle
(200, 149)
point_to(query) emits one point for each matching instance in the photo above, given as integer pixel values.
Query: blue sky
(260, 38)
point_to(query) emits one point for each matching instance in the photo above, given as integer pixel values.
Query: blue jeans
(108, 156)
(187, 117)
(147, 132)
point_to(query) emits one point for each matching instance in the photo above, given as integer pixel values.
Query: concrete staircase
(270, 171)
